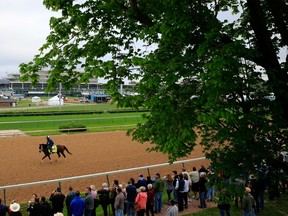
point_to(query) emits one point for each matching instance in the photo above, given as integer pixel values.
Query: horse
(60, 150)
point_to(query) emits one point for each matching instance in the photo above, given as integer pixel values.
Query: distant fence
(59, 181)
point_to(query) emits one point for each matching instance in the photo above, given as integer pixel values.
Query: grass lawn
(28, 106)
(94, 122)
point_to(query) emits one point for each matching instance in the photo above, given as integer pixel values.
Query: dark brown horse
(60, 150)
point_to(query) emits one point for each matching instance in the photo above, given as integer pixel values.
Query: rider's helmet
(47, 137)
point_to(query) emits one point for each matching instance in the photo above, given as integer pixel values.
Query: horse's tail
(65, 148)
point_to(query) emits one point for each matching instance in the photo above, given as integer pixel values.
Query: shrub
(72, 128)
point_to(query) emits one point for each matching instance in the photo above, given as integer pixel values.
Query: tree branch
(277, 11)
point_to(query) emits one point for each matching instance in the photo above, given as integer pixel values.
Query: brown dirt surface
(20, 161)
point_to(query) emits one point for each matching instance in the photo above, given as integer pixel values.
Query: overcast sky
(24, 26)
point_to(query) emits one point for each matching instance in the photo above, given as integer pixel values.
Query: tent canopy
(36, 99)
(55, 101)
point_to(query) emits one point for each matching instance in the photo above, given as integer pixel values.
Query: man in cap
(247, 203)
(57, 199)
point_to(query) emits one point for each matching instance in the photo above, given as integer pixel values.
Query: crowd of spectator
(144, 196)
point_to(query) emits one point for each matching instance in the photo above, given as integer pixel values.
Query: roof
(5, 100)
(4, 81)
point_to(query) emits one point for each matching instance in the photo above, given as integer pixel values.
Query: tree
(200, 75)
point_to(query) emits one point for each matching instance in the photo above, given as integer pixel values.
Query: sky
(24, 26)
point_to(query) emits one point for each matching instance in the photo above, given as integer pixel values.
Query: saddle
(54, 149)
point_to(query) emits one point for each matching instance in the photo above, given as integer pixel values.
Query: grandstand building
(12, 84)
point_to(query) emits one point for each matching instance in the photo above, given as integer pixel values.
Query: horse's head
(41, 147)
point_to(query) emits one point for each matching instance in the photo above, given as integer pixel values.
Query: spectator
(77, 205)
(247, 203)
(141, 181)
(169, 186)
(57, 199)
(180, 190)
(186, 189)
(104, 197)
(150, 200)
(172, 210)
(131, 196)
(211, 180)
(3, 209)
(14, 209)
(45, 207)
(254, 186)
(34, 208)
(184, 171)
(141, 200)
(119, 202)
(158, 186)
(113, 194)
(70, 196)
(262, 187)
(223, 204)
(133, 182)
(195, 182)
(96, 203)
(203, 169)
(149, 180)
(89, 200)
(175, 180)
(202, 190)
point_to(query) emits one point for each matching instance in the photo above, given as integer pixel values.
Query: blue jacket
(77, 206)
(50, 142)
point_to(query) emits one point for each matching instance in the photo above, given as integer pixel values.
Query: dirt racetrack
(20, 161)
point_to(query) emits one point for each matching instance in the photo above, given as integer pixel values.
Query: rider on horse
(49, 143)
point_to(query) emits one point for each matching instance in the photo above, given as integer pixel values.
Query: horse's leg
(63, 154)
(43, 158)
(49, 158)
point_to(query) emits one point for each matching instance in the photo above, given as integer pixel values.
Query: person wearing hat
(248, 203)
(14, 209)
(141, 181)
(50, 144)
(57, 199)
(58, 214)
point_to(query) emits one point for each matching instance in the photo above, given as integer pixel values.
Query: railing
(59, 181)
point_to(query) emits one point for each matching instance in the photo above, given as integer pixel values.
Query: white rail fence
(59, 181)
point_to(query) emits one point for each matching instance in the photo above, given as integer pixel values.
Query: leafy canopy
(199, 74)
